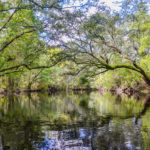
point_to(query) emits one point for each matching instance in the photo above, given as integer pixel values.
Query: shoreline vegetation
(137, 89)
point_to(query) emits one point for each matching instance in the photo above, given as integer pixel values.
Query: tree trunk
(11, 84)
(147, 81)
(29, 86)
(146, 77)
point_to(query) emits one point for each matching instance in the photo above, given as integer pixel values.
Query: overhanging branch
(13, 39)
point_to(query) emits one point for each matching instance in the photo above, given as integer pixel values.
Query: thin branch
(32, 6)
(8, 20)
(77, 72)
(12, 40)
(119, 51)
(6, 73)
(96, 74)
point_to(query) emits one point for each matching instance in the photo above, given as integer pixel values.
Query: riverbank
(137, 89)
(50, 90)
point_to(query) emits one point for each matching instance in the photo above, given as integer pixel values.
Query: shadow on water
(74, 121)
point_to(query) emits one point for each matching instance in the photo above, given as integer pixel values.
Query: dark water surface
(74, 122)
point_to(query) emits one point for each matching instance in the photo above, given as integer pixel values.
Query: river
(81, 121)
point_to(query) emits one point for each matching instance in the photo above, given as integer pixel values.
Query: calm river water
(74, 122)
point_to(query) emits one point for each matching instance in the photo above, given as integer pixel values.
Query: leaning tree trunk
(146, 77)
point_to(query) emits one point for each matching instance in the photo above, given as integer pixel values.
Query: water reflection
(78, 122)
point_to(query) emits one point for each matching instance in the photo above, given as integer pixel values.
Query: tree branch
(6, 73)
(12, 40)
(8, 21)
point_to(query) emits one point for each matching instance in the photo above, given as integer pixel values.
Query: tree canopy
(106, 41)
(38, 35)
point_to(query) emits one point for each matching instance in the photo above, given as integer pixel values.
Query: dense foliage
(43, 44)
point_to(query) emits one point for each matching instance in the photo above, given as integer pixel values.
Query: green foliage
(99, 43)
(123, 77)
(141, 29)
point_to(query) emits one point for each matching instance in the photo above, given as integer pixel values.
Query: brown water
(74, 122)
